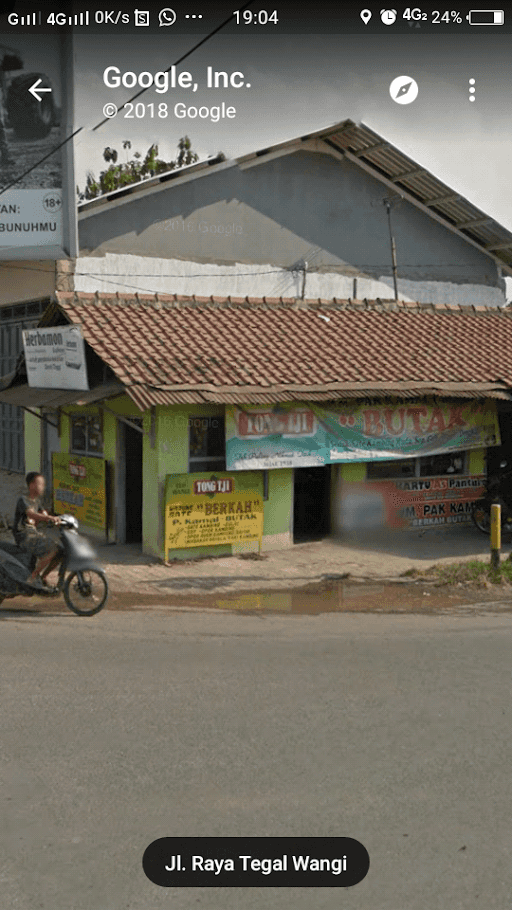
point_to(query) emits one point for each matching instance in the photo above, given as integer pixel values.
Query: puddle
(332, 595)
(337, 596)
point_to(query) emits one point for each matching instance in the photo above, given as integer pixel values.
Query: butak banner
(306, 435)
(55, 358)
(79, 489)
(203, 510)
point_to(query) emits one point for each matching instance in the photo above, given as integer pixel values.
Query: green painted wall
(477, 461)
(277, 518)
(170, 456)
(354, 472)
(126, 408)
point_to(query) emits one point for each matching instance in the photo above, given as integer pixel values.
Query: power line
(105, 119)
(362, 265)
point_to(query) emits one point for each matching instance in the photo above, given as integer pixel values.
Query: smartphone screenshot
(255, 517)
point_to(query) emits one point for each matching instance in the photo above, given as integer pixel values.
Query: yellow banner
(202, 510)
(79, 489)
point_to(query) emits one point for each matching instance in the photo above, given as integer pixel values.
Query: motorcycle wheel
(86, 592)
(481, 516)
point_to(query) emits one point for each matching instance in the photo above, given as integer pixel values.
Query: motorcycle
(498, 490)
(81, 579)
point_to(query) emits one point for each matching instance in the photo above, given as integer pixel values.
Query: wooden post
(495, 535)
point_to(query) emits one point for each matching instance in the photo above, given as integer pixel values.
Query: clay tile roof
(170, 349)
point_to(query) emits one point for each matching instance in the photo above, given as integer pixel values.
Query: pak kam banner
(203, 510)
(79, 489)
(409, 503)
(306, 435)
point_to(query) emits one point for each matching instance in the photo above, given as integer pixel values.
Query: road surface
(181, 722)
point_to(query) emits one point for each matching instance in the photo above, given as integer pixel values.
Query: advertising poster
(410, 504)
(37, 202)
(203, 510)
(55, 358)
(297, 435)
(79, 489)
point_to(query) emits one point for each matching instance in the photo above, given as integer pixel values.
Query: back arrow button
(36, 88)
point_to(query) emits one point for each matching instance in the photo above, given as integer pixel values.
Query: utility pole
(304, 273)
(388, 202)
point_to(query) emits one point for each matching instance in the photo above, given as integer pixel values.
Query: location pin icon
(366, 15)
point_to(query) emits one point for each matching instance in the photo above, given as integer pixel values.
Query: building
(307, 218)
(298, 234)
(318, 416)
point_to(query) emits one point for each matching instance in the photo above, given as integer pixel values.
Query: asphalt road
(131, 726)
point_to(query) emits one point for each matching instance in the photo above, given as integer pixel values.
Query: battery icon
(486, 17)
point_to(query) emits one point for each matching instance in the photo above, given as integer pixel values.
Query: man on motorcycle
(27, 533)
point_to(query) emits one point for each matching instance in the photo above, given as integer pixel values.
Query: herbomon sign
(38, 214)
(55, 358)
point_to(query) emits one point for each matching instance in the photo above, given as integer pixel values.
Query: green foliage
(117, 175)
(474, 573)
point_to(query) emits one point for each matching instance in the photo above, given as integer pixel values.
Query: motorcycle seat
(12, 549)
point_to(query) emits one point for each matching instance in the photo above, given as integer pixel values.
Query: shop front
(364, 467)
(192, 453)
(214, 480)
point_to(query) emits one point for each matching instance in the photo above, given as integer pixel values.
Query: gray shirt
(20, 515)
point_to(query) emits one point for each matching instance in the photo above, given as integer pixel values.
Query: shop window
(450, 463)
(207, 444)
(86, 435)
(380, 470)
(428, 466)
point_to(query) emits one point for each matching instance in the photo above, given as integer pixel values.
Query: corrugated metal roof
(362, 145)
(27, 397)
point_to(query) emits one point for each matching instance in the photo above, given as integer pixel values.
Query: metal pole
(304, 273)
(387, 203)
(495, 535)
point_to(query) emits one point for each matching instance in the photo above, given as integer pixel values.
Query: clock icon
(388, 16)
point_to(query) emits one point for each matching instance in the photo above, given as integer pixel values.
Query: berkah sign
(55, 358)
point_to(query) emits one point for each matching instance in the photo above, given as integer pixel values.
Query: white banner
(30, 218)
(55, 358)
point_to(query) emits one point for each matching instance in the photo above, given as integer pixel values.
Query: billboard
(204, 510)
(308, 435)
(79, 489)
(37, 188)
(413, 503)
(55, 358)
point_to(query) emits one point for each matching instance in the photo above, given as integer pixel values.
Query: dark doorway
(311, 503)
(133, 483)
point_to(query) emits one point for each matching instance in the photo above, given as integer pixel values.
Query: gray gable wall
(304, 206)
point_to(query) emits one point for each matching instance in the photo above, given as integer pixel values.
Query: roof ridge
(157, 301)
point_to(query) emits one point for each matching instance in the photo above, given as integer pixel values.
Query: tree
(118, 175)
